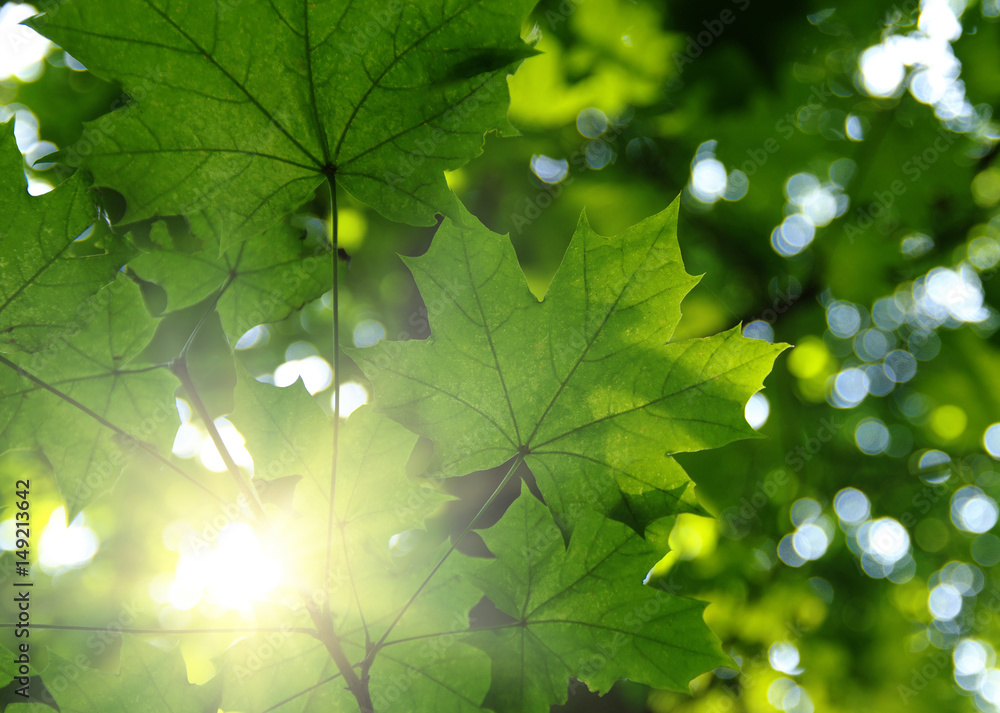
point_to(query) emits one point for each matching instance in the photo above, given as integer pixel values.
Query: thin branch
(148, 448)
(180, 369)
(468, 528)
(358, 686)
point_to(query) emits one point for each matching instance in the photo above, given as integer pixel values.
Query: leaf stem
(323, 618)
(179, 367)
(148, 448)
(331, 514)
(454, 543)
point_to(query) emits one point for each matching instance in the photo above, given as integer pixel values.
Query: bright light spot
(934, 78)
(819, 202)
(402, 543)
(854, 129)
(549, 170)
(599, 154)
(21, 48)
(368, 332)
(737, 186)
(991, 440)
(812, 535)
(794, 235)
(591, 122)
(233, 442)
(231, 573)
(844, 319)
(970, 657)
(873, 344)
(938, 21)
(183, 410)
(314, 371)
(809, 358)
(989, 686)
(956, 294)
(916, 245)
(934, 467)
(692, 536)
(849, 388)
(973, 511)
(787, 552)
(878, 383)
(352, 225)
(61, 547)
(882, 70)
(759, 329)
(885, 540)
(708, 180)
(966, 579)
(948, 421)
(784, 694)
(944, 602)
(886, 313)
(352, 396)
(810, 542)
(900, 366)
(757, 410)
(784, 657)
(804, 510)
(188, 441)
(254, 337)
(852, 506)
(871, 436)
(300, 350)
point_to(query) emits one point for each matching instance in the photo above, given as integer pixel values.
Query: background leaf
(150, 680)
(94, 368)
(45, 273)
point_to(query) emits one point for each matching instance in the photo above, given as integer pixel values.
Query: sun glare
(231, 573)
(63, 546)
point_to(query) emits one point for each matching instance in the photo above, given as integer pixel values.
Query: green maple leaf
(245, 108)
(286, 672)
(582, 612)
(288, 434)
(263, 279)
(150, 680)
(93, 368)
(44, 271)
(8, 667)
(581, 384)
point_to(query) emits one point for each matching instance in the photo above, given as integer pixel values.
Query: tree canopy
(688, 188)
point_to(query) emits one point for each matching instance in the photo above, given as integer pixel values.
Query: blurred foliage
(916, 185)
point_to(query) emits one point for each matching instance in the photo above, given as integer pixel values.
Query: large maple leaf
(584, 385)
